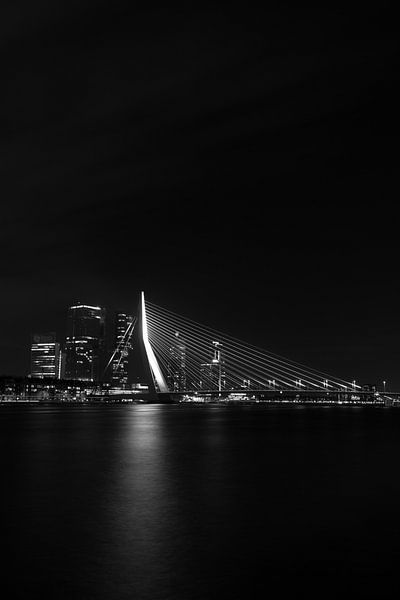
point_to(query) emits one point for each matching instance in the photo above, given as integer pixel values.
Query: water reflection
(190, 502)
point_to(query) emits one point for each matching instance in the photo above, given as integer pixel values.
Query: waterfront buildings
(34, 389)
(176, 368)
(45, 356)
(212, 374)
(122, 346)
(85, 342)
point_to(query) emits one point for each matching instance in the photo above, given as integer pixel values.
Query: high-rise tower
(122, 345)
(85, 342)
(212, 374)
(176, 377)
(45, 355)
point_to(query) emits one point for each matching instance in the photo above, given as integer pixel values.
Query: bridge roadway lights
(336, 397)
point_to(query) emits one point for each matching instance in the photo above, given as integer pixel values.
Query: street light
(384, 386)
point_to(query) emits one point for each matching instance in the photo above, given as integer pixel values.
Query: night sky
(239, 166)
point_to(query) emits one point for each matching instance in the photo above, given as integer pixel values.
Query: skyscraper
(212, 374)
(85, 342)
(45, 355)
(176, 377)
(122, 345)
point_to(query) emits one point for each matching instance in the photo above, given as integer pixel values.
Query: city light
(181, 357)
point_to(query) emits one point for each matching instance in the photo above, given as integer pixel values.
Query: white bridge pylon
(156, 373)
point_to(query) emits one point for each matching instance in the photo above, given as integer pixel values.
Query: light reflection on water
(182, 502)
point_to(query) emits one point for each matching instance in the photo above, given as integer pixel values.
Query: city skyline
(110, 362)
(111, 339)
(180, 359)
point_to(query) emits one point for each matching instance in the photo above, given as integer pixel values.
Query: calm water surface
(181, 502)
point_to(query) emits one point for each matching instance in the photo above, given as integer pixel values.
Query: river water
(197, 502)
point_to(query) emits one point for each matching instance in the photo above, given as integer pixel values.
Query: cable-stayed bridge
(184, 358)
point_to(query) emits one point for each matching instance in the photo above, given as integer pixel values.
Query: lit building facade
(212, 374)
(85, 340)
(122, 346)
(45, 356)
(176, 376)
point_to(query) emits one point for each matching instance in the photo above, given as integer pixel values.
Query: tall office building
(45, 355)
(176, 368)
(122, 345)
(85, 342)
(212, 374)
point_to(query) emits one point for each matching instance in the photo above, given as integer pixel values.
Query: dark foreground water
(182, 502)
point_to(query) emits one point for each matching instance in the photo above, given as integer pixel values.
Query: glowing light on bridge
(158, 376)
